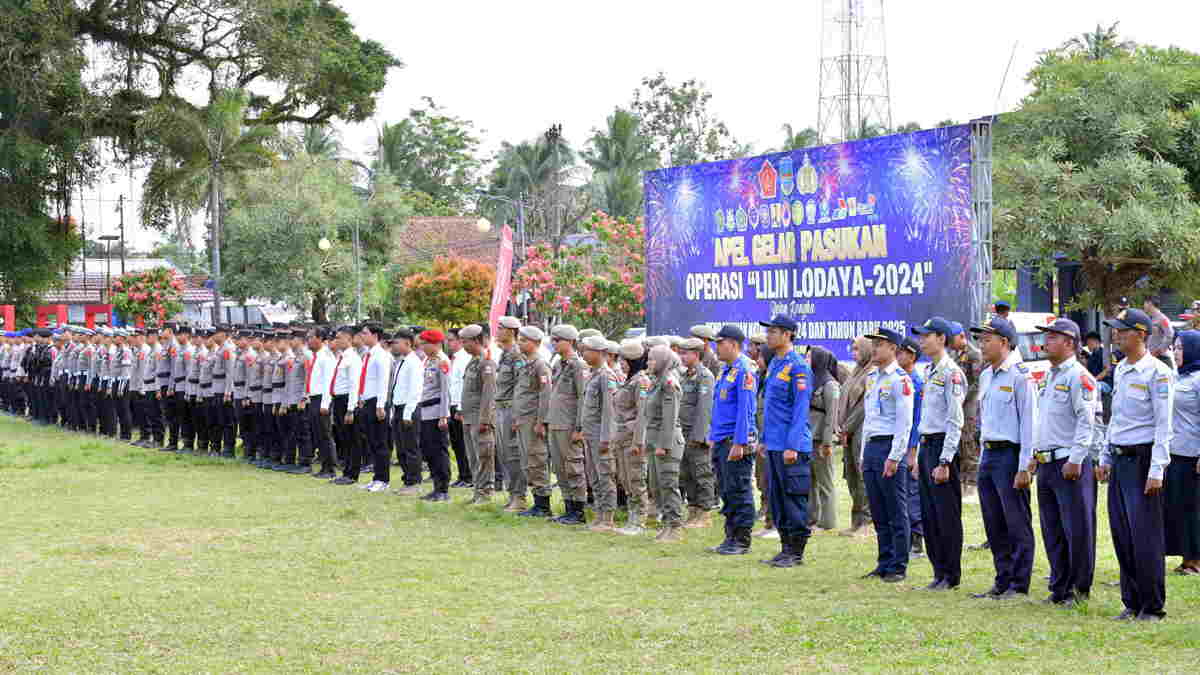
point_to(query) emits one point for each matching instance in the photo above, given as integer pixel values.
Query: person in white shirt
(459, 358)
(319, 401)
(406, 386)
(344, 388)
(371, 419)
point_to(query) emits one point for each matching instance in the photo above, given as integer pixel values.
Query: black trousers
(345, 436)
(320, 432)
(172, 415)
(458, 443)
(433, 449)
(1067, 511)
(227, 418)
(1138, 533)
(375, 431)
(107, 410)
(187, 427)
(288, 433)
(269, 433)
(153, 426)
(408, 450)
(247, 416)
(122, 400)
(941, 512)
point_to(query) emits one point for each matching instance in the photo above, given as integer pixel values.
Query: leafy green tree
(1101, 164)
(798, 140)
(682, 128)
(200, 150)
(431, 152)
(618, 154)
(1099, 44)
(544, 175)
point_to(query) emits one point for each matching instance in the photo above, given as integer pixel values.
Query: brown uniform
(531, 406)
(479, 410)
(562, 420)
(629, 409)
(971, 362)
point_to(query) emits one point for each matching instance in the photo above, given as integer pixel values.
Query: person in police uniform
(708, 358)
(508, 449)
(531, 408)
(786, 443)
(938, 458)
(733, 434)
(596, 420)
(1008, 423)
(566, 437)
(1066, 487)
(887, 426)
(1133, 461)
(629, 440)
(478, 411)
(664, 441)
(695, 413)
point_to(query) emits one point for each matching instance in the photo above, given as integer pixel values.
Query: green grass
(117, 559)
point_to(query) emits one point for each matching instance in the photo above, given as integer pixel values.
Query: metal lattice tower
(854, 92)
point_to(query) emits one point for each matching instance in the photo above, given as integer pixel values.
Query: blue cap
(1002, 304)
(998, 326)
(1131, 319)
(731, 332)
(889, 335)
(935, 325)
(912, 346)
(780, 321)
(956, 328)
(1063, 327)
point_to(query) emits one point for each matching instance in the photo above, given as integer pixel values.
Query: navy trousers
(1138, 535)
(941, 512)
(889, 506)
(1007, 517)
(788, 486)
(1067, 511)
(915, 518)
(736, 483)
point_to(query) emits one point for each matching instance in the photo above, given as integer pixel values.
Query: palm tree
(321, 140)
(198, 151)
(798, 140)
(618, 155)
(1100, 43)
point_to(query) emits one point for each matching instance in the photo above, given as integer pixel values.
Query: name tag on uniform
(732, 376)
(938, 381)
(1006, 389)
(1061, 387)
(1139, 386)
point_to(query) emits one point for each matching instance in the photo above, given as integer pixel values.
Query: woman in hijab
(849, 424)
(822, 503)
(1182, 493)
(629, 409)
(664, 441)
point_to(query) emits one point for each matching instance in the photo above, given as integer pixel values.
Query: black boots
(540, 508)
(737, 544)
(728, 538)
(574, 514)
(792, 551)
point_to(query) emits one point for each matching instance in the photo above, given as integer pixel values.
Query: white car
(1031, 341)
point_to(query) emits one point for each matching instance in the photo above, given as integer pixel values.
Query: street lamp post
(108, 239)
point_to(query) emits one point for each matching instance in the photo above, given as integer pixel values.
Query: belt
(239, 384)
(882, 438)
(1131, 450)
(193, 381)
(1048, 456)
(934, 437)
(179, 379)
(218, 377)
(820, 410)
(147, 381)
(255, 388)
(503, 404)
(429, 402)
(206, 386)
(1001, 445)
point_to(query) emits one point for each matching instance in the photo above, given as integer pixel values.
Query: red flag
(503, 288)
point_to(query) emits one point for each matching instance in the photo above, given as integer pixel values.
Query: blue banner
(843, 238)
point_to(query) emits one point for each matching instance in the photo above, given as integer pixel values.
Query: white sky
(515, 68)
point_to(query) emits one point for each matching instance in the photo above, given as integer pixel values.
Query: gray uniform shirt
(435, 388)
(629, 409)
(662, 412)
(567, 391)
(506, 374)
(695, 406)
(1008, 406)
(1142, 405)
(1067, 410)
(479, 391)
(942, 405)
(206, 360)
(1187, 416)
(596, 410)
(531, 395)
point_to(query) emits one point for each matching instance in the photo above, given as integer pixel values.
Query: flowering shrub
(600, 287)
(155, 294)
(454, 292)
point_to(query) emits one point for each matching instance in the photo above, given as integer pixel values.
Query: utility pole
(121, 211)
(853, 89)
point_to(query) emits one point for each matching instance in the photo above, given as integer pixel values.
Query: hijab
(1189, 340)
(824, 367)
(664, 359)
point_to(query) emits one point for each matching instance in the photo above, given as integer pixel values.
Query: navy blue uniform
(734, 403)
(787, 394)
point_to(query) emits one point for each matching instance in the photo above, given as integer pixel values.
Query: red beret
(432, 336)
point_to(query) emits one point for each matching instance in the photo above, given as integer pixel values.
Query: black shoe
(980, 547)
(285, 467)
(573, 516)
(737, 544)
(1151, 616)
(894, 578)
(458, 484)
(540, 508)
(324, 475)
(873, 574)
(1011, 593)
(785, 556)
(301, 470)
(1126, 615)
(726, 542)
(936, 585)
(344, 481)
(430, 497)
(440, 497)
(990, 593)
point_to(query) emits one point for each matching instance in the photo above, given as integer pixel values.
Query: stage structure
(844, 238)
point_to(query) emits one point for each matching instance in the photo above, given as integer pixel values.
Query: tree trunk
(320, 307)
(214, 205)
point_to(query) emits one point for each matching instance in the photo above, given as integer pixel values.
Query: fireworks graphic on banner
(674, 210)
(937, 179)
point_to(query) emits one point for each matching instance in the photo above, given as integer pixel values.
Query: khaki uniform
(822, 501)
(629, 413)
(710, 361)
(850, 420)
(508, 451)
(597, 421)
(663, 431)
(971, 362)
(531, 406)
(478, 407)
(566, 394)
(696, 478)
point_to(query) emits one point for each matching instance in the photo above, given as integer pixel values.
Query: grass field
(117, 559)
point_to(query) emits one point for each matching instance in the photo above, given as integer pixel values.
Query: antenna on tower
(854, 94)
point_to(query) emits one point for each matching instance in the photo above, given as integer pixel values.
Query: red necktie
(308, 365)
(362, 379)
(335, 369)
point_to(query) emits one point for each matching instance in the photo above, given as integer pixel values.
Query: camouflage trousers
(760, 482)
(696, 478)
(572, 478)
(968, 448)
(535, 459)
(602, 477)
(481, 451)
(631, 471)
(664, 474)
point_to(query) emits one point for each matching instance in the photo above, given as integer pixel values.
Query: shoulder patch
(907, 385)
(444, 366)
(748, 382)
(1086, 382)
